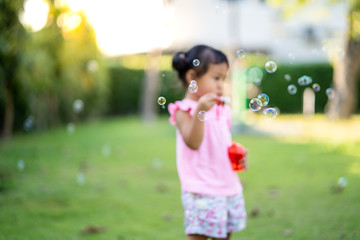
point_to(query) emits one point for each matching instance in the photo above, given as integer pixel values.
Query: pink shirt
(206, 170)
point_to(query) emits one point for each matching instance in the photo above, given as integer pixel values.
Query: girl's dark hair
(183, 61)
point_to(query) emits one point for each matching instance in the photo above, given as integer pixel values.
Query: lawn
(116, 179)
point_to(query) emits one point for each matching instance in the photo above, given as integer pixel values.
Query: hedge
(276, 86)
(126, 85)
(126, 89)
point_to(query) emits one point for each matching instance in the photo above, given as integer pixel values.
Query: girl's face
(213, 80)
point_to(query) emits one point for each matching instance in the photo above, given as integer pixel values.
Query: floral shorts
(212, 215)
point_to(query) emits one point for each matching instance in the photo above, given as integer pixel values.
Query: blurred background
(87, 150)
(68, 60)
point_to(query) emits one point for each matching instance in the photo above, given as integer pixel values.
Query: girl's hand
(244, 162)
(207, 101)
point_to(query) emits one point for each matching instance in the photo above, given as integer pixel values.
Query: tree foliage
(12, 40)
(59, 64)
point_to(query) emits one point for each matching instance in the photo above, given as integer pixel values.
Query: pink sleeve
(173, 107)
(228, 115)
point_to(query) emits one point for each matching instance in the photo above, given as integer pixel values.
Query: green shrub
(126, 89)
(171, 88)
(275, 86)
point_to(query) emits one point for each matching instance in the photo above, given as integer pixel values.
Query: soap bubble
(193, 87)
(78, 105)
(28, 123)
(263, 98)
(21, 165)
(287, 77)
(255, 104)
(304, 80)
(330, 93)
(70, 128)
(342, 182)
(316, 87)
(255, 75)
(196, 62)
(240, 53)
(270, 113)
(301, 81)
(292, 89)
(308, 80)
(80, 178)
(202, 115)
(270, 66)
(161, 101)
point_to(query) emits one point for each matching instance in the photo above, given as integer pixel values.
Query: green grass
(289, 185)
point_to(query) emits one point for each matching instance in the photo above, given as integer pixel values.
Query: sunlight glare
(125, 27)
(35, 14)
(121, 27)
(74, 5)
(68, 21)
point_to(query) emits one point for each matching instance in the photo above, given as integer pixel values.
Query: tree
(347, 68)
(12, 40)
(150, 88)
(66, 65)
(42, 73)
(63, 64)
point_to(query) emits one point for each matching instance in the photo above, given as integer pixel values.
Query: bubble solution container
(236, 154)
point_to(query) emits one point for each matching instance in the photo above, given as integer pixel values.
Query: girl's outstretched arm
(190, 127)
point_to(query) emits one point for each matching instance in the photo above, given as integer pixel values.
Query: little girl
(211, 190)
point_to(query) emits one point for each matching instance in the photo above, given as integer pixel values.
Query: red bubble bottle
(236, 152)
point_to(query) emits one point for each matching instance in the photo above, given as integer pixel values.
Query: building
(308, 35)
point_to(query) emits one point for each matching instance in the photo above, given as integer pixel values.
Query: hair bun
(179, 61)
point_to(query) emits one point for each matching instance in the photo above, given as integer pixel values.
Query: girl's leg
(227, 237)
(196, 237)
